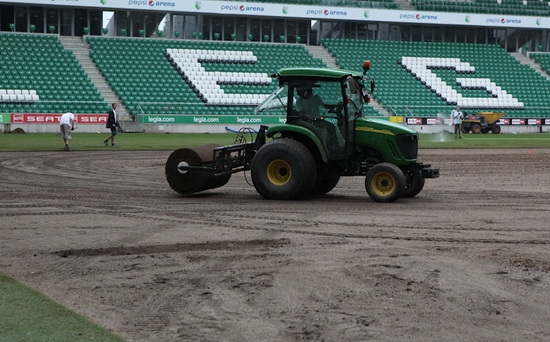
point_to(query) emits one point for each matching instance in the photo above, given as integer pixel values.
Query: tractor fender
(303, 132)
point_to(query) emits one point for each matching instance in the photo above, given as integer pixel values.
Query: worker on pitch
(457, 116)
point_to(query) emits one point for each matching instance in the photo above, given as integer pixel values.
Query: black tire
(465, 129)
(414, 183)
(385, 182)
(495, 129)
(328, 177)
(325, 183)
(283, 169)
(476, 128)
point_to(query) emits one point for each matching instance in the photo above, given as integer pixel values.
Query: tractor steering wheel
(337, 109)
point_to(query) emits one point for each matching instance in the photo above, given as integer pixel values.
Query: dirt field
(466, 260)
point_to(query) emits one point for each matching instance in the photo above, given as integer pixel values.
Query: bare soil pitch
(466, 260)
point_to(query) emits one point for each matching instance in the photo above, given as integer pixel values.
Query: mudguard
(294, 129)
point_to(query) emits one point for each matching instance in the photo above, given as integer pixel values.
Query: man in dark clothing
(112, 123)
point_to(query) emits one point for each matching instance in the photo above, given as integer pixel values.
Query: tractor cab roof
(289, 74)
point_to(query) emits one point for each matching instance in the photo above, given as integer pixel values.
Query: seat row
(18, 95)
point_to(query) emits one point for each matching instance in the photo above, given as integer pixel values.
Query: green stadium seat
(148, 62)
(51, 73)
(402, 93)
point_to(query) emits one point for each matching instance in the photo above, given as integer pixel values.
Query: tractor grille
(408, 145)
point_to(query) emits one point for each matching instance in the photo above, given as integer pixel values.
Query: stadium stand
(478, 78)
(39, 76)
(543, 59)
(509, 7)
(383, 4)
(160, 76)
(163, 76)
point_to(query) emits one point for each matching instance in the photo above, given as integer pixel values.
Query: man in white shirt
(457, 116)
(66, 125)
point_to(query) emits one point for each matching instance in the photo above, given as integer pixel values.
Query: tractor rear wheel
(414, 183)
(283, 169)
(495, 129)
(323, 186)
(325, 182)
(385, 182)
(476, 128)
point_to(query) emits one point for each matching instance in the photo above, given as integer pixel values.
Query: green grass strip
(10, 142)
(14, 142)
(487, 141)
(26, 315)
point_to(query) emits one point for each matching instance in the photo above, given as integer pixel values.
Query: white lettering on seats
(208, 82)
(421, 68)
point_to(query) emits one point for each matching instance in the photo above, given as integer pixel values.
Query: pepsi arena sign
(151, 3)
(418, 16)
(326, 12)
(502, 21)
(241, 8)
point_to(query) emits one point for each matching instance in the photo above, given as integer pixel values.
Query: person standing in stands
(457, 116)
(66, 125)
(112, 123)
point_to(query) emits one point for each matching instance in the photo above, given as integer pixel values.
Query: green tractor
(325, 137)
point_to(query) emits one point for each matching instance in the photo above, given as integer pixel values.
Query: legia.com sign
(203, 119)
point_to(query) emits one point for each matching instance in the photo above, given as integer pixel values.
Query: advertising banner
(55, 118)
(214, 119)
(503, 121)
(4, 118)
(315, 12)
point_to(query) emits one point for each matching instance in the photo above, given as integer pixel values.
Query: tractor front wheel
(385, 182)
(283, 169)
(414, 183)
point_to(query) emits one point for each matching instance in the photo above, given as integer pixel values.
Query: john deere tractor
(307, 155)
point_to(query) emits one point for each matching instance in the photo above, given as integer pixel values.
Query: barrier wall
(93, 123)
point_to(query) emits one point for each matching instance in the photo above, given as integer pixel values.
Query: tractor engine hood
(382, 127)
(397, 143)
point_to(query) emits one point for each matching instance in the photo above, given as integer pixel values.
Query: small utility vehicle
(483, 122)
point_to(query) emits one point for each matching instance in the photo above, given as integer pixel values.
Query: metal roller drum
(190, 182)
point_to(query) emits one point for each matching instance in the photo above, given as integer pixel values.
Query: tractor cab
(322, 103)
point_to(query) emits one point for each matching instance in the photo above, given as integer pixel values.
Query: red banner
(83, 119)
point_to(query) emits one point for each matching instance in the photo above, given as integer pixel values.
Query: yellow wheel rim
(383, 184)
(279, 172)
